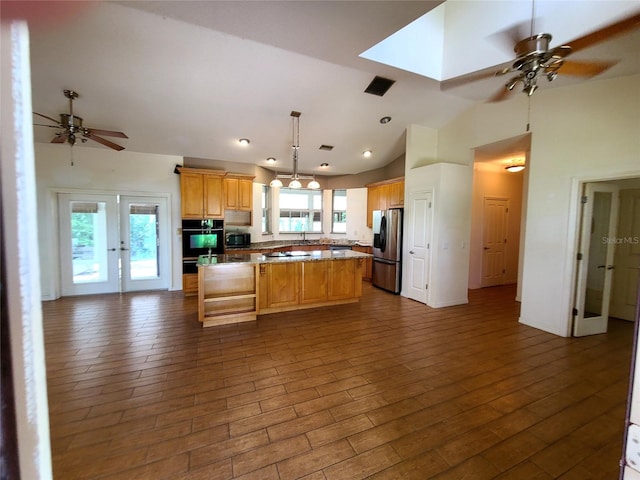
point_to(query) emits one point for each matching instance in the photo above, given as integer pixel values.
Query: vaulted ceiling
(190, 78)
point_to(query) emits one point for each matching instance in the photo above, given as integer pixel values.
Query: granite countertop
(295, 256)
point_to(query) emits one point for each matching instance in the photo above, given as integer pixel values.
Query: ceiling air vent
(379, 86)
(326, 147)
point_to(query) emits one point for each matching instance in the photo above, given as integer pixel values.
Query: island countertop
(294, 256)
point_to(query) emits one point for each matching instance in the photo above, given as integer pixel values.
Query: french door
(113, 243)
(595, 267)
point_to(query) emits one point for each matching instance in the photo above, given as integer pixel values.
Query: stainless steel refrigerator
(387, 249)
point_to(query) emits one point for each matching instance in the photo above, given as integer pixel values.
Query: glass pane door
(144, 257)
(88, 244)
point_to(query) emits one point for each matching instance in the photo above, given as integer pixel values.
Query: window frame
(266, 204)
(309, 210)
(335, 211)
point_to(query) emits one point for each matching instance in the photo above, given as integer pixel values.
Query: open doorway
(608, 260)
(497, 212)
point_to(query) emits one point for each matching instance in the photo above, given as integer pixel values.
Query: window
(339, 212)
(300, 210)
(266, 209)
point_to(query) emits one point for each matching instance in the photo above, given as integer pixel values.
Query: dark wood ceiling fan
(535, 59)
(71, 126)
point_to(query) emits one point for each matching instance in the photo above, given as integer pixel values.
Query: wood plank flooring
(384, 389)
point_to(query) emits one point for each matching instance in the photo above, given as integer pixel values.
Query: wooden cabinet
(314, 282)
(238, 192)
(383, 195)
(190, 283)
(227, 293)
(367, 263)
(345, 279)
(305, 284)
(396, 195)
(279, 284)
(201, 193)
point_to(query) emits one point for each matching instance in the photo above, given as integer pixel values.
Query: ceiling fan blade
(50, 126)
(584, 69)
(104, 142)
(474, 77)
(108, 133)
(60, 138)
(48, 118)
(605, 33)
(499, 96)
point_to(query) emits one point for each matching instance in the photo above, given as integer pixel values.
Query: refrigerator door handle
(383, 233)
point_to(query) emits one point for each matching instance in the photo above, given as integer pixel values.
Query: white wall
(106, 171)
(585, 132)
(448, 273)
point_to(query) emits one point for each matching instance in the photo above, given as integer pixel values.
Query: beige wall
(490, 180)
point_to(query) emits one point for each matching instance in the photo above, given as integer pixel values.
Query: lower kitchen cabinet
(279, 284)
(367, 267)
(190, 283)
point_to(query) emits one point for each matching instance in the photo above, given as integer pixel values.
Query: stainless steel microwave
(238, 239)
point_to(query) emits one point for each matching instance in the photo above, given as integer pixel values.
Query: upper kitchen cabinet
(201, 193)
(238, 199)
(238, 192)
(383, 195)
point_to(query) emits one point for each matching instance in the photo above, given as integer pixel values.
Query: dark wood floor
(383, 389)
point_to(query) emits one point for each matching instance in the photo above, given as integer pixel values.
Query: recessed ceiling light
(271, 160)
(244, 141)
(367, 153)
(384, 120)
(324, 165)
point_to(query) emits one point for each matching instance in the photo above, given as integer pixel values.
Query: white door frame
(594, 324)
(573, 238)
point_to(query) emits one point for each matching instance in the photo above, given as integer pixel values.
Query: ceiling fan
(71, 126)
(535, 59)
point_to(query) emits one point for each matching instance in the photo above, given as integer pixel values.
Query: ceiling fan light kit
(295, 177)
(71, 126)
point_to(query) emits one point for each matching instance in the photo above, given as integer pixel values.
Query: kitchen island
(236, 288)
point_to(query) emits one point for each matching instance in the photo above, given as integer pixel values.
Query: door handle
(486, 248)
(411, 252)
(601, 266)
(111, 249)
(122, 248)
(610, 267)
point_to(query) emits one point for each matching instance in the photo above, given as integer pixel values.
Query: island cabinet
(279, 285)
(201, 193)
(227, 293)
(367, 267)
(306, 284)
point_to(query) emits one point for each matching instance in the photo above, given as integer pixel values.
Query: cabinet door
(245, 194)
(231, 193)
(384, 192)
(213, 196)
(314, 282)
(396, 194)
(191, 187)
(372, 204)
(344, 277)
(283, 284)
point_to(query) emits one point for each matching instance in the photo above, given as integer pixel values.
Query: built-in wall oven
(200, 237)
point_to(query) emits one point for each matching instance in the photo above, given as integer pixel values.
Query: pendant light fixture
(295, 177)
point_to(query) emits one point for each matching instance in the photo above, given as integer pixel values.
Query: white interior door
(595, 264)
(105, 248)
(144, 252)
(419, 242)
(88, 244)
(494, 240)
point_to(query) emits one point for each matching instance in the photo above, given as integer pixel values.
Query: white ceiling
(189, 78)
